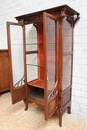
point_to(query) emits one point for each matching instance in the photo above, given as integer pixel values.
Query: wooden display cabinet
(46, 77)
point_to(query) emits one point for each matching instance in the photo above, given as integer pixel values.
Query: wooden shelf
(37, 95)
(37, 83)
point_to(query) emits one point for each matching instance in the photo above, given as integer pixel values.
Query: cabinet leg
(69, 110)
(26, 104)
(60, 119)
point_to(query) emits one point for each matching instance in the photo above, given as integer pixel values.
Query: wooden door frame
(45, 15)
(23, 87)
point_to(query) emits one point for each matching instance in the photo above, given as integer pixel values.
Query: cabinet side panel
(66, 98)
(40, 50)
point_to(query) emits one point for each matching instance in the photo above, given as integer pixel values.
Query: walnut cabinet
(4, 71)
(41, 59)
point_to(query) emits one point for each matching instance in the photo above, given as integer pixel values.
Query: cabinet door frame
(19, 93)
(54, 100)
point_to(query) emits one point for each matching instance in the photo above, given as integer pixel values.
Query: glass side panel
(51, 57)
(31, 38)
(67, 36)
(32, 73)
(31, 59)
(66, 79)
(17, 54)
(32, 67)
(31, 47)
(35, 54)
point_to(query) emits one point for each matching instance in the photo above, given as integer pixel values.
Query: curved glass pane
(51, 56)
(66, 78)
(67, 54)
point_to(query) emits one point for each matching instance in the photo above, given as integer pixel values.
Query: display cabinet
(41, 59)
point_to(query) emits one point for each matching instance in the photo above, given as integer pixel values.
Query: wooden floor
(14, 117)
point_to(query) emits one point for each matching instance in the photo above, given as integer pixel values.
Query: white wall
(11, 8)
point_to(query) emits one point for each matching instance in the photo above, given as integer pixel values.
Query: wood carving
(20, 82)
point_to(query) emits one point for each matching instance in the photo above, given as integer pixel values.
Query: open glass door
(16, 47)
(50, 28)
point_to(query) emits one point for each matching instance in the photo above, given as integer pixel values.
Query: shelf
(34, 44)
(35, 65)
(37, 95)
(37, 43)
(37, 83)
(50, 67)
(31, 52)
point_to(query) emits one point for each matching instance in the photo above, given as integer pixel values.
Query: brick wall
(11, 8)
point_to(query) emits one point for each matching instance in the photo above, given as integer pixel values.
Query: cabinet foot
(60, 120)
(60, 112)
(69, 110)
(26, 104)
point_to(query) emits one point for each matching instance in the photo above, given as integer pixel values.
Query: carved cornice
(63, 13)
(71, 19)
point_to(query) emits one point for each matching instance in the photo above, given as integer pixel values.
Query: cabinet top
(68, 11)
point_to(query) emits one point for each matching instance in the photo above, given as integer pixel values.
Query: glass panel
(17, 55)
(31, 47)
(32, 67)
(66, 79)
(51, 66)
(31, 38)
(31, 59)
(35, 55)
(67, 36)
(32, 72)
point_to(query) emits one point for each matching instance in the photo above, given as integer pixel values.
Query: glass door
(50, 29)
(16, 47)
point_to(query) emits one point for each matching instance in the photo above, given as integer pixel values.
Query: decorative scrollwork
(61, 111)
(35, 25)
(70, 19)
(76, 19)
(20, 82)
(63, 12)
(54, 92)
